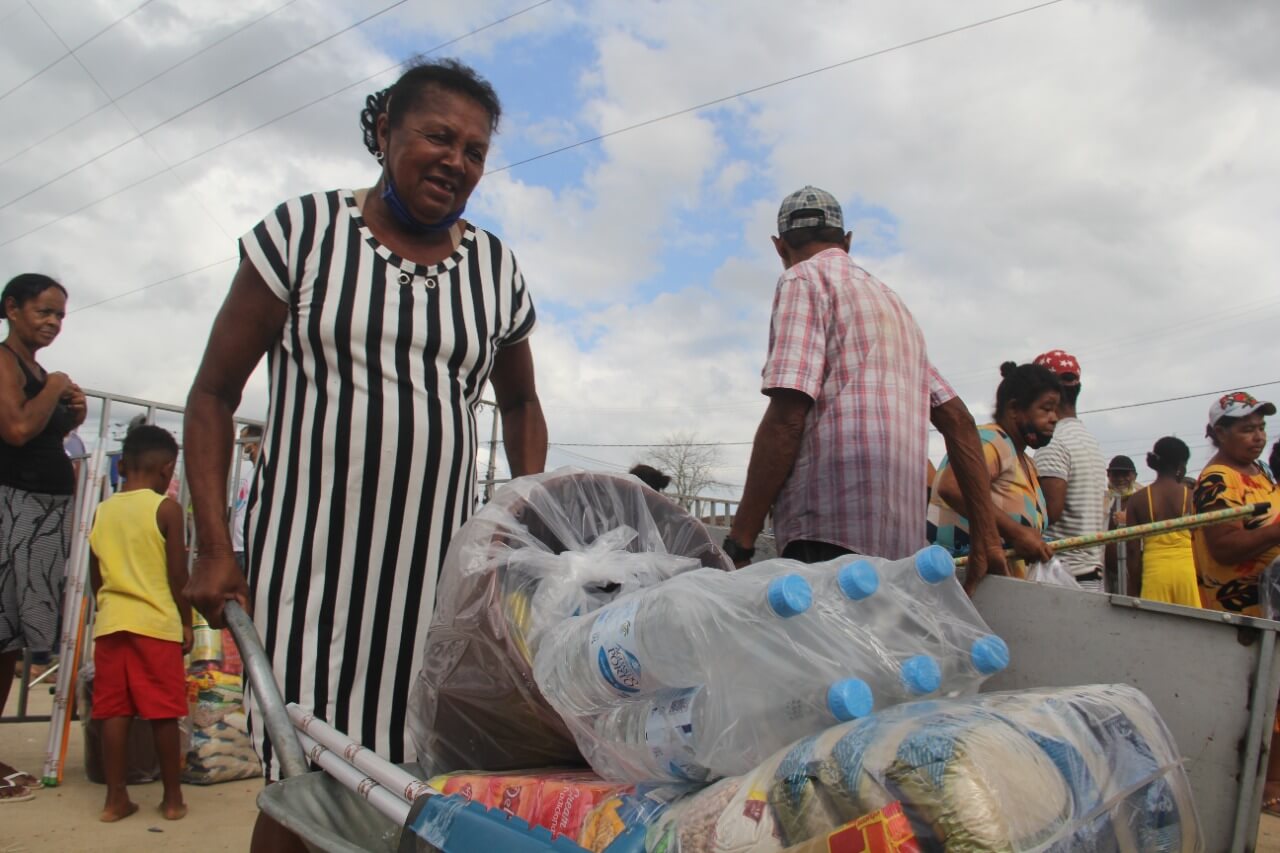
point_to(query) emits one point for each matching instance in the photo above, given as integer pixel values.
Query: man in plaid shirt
(842, 451)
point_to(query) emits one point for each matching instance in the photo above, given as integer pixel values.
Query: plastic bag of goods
(1054, 573)
(1067, 769)
(706, 674)
(575, 805)
(545, 548)
(220, 750)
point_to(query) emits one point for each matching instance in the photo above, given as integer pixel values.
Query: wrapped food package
(547, 547)
(572, 804)
(1067, 769)
(220, 749)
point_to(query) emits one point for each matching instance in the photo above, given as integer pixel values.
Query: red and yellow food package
(556, 800)
(884, 831)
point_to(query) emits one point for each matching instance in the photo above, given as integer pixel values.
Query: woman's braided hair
(413, 88)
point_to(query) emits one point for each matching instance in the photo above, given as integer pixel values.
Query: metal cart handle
(257, 668)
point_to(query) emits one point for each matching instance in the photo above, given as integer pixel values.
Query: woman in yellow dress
(1163, 567)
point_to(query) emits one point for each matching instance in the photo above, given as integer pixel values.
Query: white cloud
(1090, 176)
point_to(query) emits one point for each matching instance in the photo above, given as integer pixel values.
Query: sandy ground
(65, 818)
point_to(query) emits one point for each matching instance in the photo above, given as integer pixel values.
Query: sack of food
(1065, 769)
(547, 547)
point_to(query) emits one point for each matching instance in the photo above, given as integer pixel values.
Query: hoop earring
(379, 156)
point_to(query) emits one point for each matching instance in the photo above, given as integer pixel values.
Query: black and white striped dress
(368, 457)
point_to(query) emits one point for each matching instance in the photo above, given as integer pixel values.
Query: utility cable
(726, 98)
(280, 117)
(127, 92)
(204, 101)
(70, 50)
(168, 169)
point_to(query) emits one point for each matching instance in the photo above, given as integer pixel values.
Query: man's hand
(215, 580)
(188, 639)
(1030, 545)
(986, 559)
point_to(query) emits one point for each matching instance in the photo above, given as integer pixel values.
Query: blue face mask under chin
(406, 219)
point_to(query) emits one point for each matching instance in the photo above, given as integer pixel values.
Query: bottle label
(613, 646)
(668, 732)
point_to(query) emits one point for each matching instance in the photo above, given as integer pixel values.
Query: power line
(204, 101)
(70, 50)
(1183, 397)
(725, 98)
(148, 81)
(280, 117)
(129, 121)
(1088, 412)
(207, 266)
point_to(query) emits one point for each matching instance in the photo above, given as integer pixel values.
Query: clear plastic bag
(1067, 769)
(707, 673)
(1054, 572)
(1269, 590)
(545, 548)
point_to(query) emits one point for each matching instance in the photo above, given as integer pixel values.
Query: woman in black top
(37, 409)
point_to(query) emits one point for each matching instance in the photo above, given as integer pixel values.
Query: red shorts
(137, 676)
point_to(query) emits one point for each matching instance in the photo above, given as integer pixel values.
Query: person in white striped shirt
(383, 313)
(1073, 476)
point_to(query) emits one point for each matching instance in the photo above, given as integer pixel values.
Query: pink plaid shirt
(845, 339)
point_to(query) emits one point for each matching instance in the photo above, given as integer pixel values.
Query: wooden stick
(1123, 534)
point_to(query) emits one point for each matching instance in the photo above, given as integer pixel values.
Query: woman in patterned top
(1026, 412)
(383, 314)
(1231, 557)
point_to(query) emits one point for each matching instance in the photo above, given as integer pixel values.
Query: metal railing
(108, 420)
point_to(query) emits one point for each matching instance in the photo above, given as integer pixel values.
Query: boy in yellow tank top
(138, 568)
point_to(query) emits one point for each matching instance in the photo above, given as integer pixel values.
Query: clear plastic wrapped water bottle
(653, 640)
(703, 732)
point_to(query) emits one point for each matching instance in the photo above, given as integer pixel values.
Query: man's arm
(250, 320)
(170, 521)
(969, 468)
(1055, 496)
(773, 454)
(524, 429)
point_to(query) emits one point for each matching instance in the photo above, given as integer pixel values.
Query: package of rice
(1065, 769)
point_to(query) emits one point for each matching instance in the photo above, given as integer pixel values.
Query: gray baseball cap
(809, 207)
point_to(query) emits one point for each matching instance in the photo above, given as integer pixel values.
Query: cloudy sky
(1099, 177)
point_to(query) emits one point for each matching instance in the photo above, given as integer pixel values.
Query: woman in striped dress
(382, 313)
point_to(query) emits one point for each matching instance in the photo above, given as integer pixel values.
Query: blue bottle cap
(989, 654)
(850, 699)
(790, 595)
(921, 675)
(934, 564)
(858, 579)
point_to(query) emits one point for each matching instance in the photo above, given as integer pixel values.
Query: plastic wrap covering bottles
(1071, 769)
(707, 673)
(545, 548)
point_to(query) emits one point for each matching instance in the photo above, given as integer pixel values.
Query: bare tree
(688, 461)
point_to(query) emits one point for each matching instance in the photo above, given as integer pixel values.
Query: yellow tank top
(135, 594)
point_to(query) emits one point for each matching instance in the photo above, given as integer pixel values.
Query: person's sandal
(16, 793)
(11, 781)
(1271, 806)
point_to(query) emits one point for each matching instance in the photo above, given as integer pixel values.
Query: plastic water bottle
(657, 639)
(908, 629)
(701, 733)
